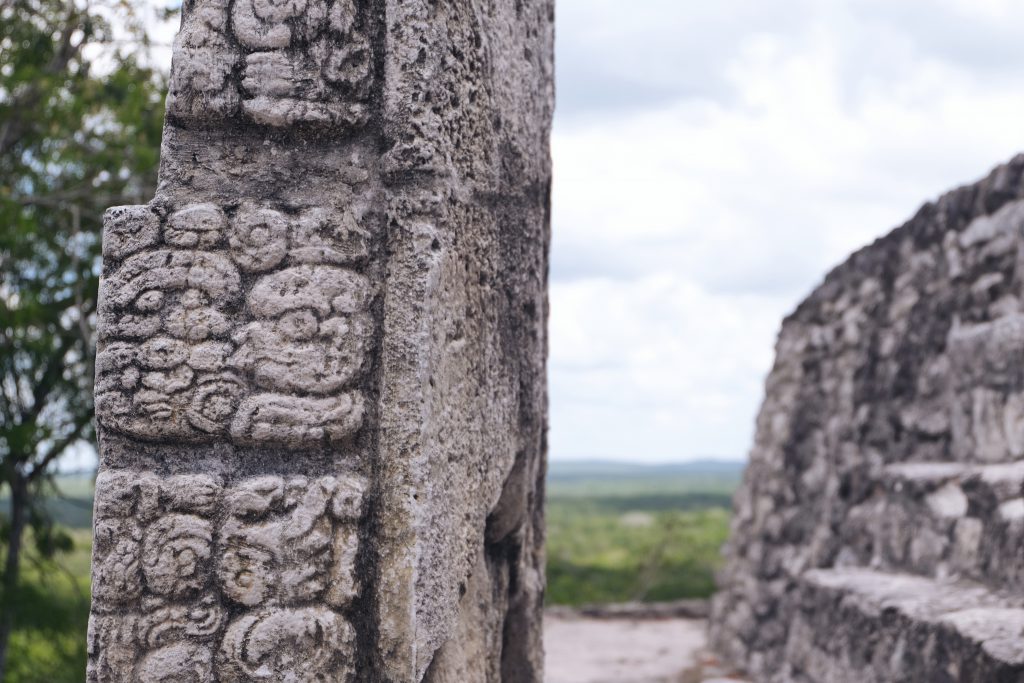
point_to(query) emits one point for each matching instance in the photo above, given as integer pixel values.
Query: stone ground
(600, 650)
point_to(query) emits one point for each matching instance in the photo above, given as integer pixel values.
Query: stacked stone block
(877, 535)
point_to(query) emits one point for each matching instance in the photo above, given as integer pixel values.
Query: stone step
(941, 519)
(865, 626)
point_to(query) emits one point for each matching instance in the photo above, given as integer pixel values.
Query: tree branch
(22, 107)
(58, 449)
(42, 388)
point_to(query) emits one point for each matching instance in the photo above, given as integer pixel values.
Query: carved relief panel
(248, 324)
(279, 62)
(195, 581)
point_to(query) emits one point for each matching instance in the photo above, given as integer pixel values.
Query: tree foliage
(80, 120)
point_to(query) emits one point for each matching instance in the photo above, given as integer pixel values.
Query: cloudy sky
(713, 160)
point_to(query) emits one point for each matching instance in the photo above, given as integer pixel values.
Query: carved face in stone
(278, 544)
(310, 336)
(180, 293)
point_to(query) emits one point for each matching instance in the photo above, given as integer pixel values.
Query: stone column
(320, 383)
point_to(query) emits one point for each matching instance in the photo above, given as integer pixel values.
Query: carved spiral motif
(214, 401)
(259, 238)
(172, 623)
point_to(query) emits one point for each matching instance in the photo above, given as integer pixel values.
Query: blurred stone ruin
(877, 535)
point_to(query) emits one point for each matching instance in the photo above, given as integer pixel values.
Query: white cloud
(637, 375)
(779, 140)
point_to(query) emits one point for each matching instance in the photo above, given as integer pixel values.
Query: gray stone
(888, 463)
(862, 625)
(320, 386)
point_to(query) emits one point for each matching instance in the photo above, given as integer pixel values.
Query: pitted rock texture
(320, 368)
(877, 533)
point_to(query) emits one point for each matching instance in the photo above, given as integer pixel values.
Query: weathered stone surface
(320, 371)
(891, 438)
(875, 627)
(941, 519)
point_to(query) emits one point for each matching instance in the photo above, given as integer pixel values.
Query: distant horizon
(82, 460)
(612, 460)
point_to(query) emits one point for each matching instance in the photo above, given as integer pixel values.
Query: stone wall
(320, 371)
(882, 502)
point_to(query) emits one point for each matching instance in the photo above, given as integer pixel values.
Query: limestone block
(320, 387)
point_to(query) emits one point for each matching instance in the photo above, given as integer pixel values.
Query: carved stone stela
(246, 325)
(319, 384)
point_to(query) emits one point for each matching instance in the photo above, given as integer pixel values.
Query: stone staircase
(870, 625)
(927, 585)
(878, 536)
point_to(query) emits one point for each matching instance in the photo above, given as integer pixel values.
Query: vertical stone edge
(467, 111)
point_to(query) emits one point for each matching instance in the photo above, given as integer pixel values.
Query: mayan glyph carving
(244, 323)
(278, 62)
(284, 556)
(189, 354)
